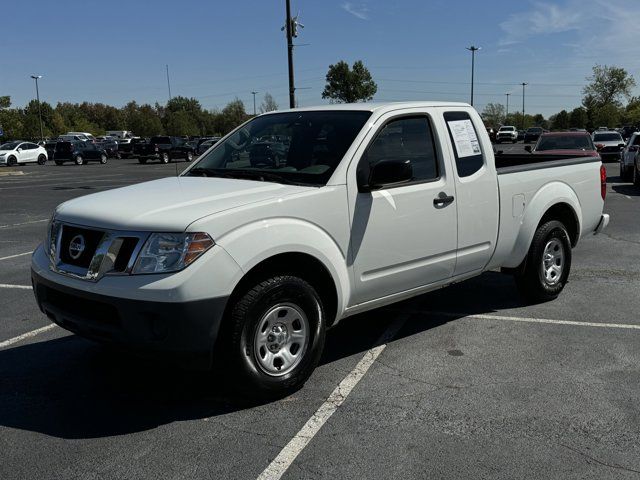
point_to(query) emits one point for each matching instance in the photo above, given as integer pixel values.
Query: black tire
(59, 162)
(79, 160)
(164, 157)
(635, 175)
(514, 141)
(189, 157)
(103, 159)
(626, 173)
(142, 160)
(42, 159)
(531, 280)
(12, 162)
(238, 342)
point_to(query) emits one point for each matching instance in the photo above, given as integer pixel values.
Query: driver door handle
(443, 200)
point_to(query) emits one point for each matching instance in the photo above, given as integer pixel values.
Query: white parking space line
(627, 326)
(18, 287)
(15, 256)
(27, 335)
(24, 223)
(288, 454)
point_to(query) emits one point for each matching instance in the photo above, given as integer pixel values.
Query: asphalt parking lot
(466, 382)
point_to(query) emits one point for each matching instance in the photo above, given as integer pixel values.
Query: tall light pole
(523, 85)
(473, 50)
(168, 83)
(254, 103)
(36, 78)
(507, 115)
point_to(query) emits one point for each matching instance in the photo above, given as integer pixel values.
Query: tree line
(606, 101)
(179, 116)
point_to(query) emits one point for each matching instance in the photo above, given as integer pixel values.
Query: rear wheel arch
(564, 213)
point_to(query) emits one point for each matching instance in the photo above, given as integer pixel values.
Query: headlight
(170, 252)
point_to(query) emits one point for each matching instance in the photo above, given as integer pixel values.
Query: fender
(546, 197)
(257, 241)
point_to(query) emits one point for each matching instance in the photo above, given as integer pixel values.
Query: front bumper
(187, 330)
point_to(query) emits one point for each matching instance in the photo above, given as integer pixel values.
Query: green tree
(181, 123)
(493, 114)
(5, 101)
(232, 115)
(607, 85)
(560, 121)
(578, 118)
(345, 85)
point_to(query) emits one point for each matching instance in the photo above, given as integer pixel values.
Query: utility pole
(523, 85)
(473, 50)
(288, 26)
(168, 83)
(507, 115)
(36, 77)
(254, 103)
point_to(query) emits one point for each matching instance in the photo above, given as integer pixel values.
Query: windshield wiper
(259, 175)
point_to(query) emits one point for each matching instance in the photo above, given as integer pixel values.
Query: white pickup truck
(301, 218)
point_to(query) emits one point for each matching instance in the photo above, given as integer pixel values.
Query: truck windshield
(564, 142)
(291, 147)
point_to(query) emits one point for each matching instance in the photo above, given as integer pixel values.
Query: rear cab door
(403, 236)
(476, 187)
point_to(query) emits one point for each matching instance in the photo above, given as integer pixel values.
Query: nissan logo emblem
(76, 247)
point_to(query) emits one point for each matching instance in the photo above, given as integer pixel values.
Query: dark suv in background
(78, 153)
(163, 148)
(532, 134)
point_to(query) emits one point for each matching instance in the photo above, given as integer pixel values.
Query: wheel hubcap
(281, 339)
(553, 261)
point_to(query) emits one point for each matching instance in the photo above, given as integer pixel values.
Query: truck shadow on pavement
(630, 190)
(75, 389)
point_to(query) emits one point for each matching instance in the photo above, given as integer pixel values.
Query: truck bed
(518, 162)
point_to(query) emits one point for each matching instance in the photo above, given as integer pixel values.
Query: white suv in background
(13, 153)
(507, 133)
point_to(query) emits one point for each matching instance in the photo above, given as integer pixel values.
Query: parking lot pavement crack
(599, 462)
(620, 239)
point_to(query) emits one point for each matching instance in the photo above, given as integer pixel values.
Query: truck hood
(169, 204)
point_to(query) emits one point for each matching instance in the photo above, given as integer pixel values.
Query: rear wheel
(626, 173)
(42, 159)
(103, 159)
(547, 264)
(274, 336)
(189, 156)
(79, 160)
(164, 157)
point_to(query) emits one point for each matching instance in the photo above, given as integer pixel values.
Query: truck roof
(372, 107)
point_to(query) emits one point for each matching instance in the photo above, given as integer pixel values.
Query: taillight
(603, 182)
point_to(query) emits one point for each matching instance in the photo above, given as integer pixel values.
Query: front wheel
(274, 336)
(189, 156)
(103, 159)
(12, 162)
(164, 157)
(42, 160)
(79, 160)
(547, 264)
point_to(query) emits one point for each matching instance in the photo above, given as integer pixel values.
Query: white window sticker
(464, 138)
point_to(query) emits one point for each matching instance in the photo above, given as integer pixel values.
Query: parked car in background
(125, 146)
(79, 153)
(532, 134)
(109, 145)
(627, 131)
(120, 133)
(206, 145)
(521, 134)
(564, 143)
(609, 144)
(72, 138)
(507, 133)
(50, 147)
(19, 152)
(492, 134)
(628, 155)
(83, 136)
(163, 148)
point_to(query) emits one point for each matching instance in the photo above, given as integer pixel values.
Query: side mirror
(385, 173)
(528, 148)
(19, 149)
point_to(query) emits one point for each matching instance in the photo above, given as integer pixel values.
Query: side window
(465, 141)
(407, 138)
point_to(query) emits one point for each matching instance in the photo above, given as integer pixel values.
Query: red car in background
(564, 143)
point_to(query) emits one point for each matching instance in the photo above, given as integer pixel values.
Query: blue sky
(116, 51)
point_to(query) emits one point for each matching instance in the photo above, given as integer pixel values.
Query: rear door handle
(443, 200)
